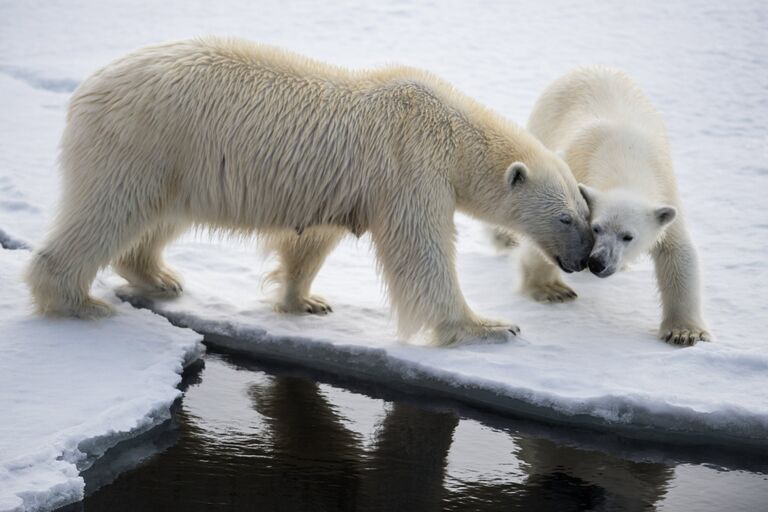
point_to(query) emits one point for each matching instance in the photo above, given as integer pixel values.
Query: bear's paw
(685, 335)
(480, 331)
(313, 305)
(92, 309)
(550, 292)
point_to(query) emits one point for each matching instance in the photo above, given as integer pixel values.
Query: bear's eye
(566, 219)
(596, 230)
(627, 237)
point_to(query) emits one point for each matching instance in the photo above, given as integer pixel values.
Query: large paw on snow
(313, 305)
(479, 332)
(91, 309)
(684, 335)
(163, 282)
(555, 291)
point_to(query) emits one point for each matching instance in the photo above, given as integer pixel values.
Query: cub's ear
(589, 195)
(664, 215)
(516, 174)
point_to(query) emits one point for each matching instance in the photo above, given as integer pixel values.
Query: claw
(684, 336)
(309, 305)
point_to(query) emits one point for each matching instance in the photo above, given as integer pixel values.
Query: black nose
(596, 266)
(583, 263)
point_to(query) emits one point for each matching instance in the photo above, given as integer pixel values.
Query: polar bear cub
(245, 138)
(616, 145)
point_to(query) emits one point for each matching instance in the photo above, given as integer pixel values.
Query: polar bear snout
(570, 269)
(602, 262)
(565, 238)
(575, 255)
(596, 266)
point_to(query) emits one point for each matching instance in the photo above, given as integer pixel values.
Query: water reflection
(325, 465)
(249, 439)
(316, 459)
(565, 478)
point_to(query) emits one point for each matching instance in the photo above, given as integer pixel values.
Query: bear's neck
(486, 146)
(483, 144)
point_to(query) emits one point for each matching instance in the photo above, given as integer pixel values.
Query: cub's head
(624, 226)
(548, 208)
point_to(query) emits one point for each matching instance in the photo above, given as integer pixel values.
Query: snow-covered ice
(704, 64)
(69, 390)
(594, 361)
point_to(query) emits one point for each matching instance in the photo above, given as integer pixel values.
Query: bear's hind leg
(301, 257)
(143, 264)
(541, 279)
(60, 289)
(87, 235)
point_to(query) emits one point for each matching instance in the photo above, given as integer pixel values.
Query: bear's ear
(589, 195)
(664, 215)
(516, 174)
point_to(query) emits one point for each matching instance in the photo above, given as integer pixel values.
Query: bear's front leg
(541, 279)
(677, 274)
(415, 250)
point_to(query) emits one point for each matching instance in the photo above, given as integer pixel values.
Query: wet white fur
(615, 142)
(232, 135)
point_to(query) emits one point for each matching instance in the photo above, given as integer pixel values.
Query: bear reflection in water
(299, 453)
(406, 467)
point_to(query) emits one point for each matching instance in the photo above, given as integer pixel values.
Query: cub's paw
(685, 335)
(555, 291)
(313, 305)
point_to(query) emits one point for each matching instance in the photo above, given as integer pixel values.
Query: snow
(70, 390)
(594, 361)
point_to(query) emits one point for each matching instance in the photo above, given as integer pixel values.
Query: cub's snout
(597, 267)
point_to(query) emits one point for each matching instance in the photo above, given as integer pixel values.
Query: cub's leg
(415, 248)
(301, 257)
(541, 279)
(677, 275)
(143, 264)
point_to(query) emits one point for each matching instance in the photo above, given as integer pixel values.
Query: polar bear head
(544, 204)
(624, 226)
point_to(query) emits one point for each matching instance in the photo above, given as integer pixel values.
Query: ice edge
(88, 450)
(626, 416)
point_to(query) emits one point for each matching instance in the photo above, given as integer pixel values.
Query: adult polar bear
(615, 141)
(241, 137)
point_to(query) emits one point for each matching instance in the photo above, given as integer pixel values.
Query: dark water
(252, 437)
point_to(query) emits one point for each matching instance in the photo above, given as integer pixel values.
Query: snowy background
(69, 389)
